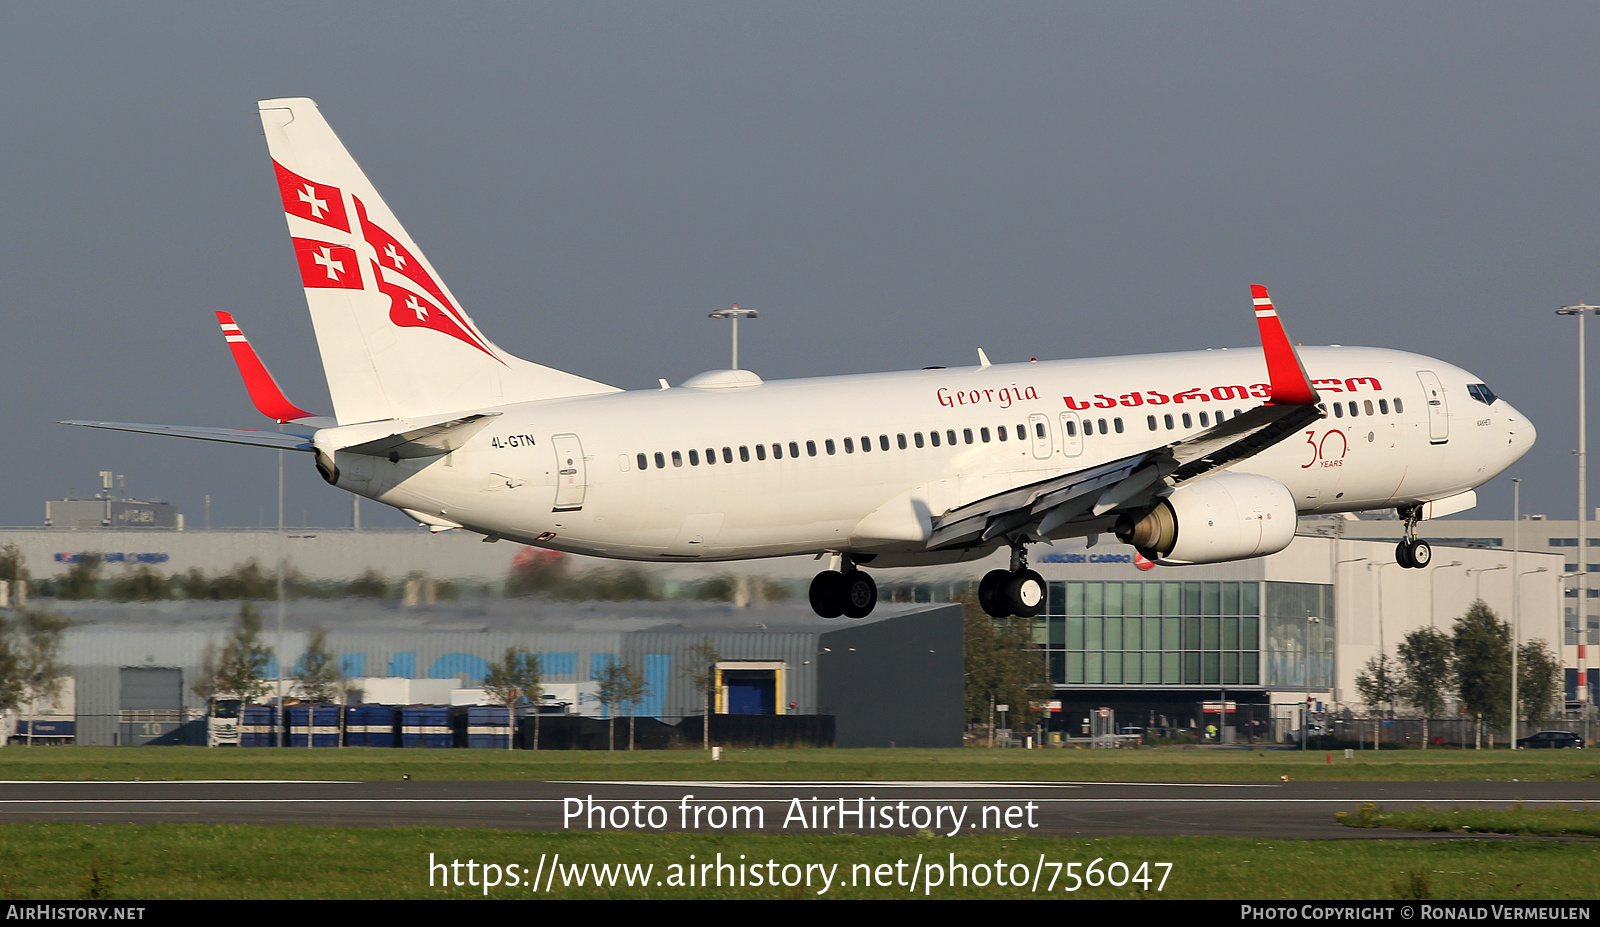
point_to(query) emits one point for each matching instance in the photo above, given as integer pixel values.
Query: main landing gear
(1412, 552)
(1018, 591)
(843, 590)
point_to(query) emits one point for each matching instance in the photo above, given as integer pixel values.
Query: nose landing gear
(1412, 552)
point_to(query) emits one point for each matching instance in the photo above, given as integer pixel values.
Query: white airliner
(1192, 458)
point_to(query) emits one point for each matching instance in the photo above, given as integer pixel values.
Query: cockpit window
(1481, 392)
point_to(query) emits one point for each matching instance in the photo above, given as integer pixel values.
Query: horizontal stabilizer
(432, 440)
(284, 441)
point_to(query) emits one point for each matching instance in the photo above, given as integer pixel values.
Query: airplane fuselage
(863, 463)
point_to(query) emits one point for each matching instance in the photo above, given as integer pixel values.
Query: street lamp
(1433, 590)
(1581, 310)
(1516, 642)
(735, 314)
(1305, 709)
(1478, 589)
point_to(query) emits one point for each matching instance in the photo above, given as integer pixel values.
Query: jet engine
(1229, 516)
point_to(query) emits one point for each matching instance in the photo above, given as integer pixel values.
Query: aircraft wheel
(990, 595)
(1025, 593)
(828, 594)
(860, 594)
(1402, 554)
(1419, 553)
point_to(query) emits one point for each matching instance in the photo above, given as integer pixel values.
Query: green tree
(12, 568)
(702, 670)
(621, 684)
(1482, 648)
(81, 578)
(141, 584)
(1379, 683)
(318, 675)
(39, 656)
(519, 676)
(1425, 655)
(1004, 665)
(242, 668)
(1538, 681)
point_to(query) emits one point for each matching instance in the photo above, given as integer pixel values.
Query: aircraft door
(1071, 434)
(1438, 412)
(570, 478)
(1039, 432)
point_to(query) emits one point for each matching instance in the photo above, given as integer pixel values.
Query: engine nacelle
(1230, 516)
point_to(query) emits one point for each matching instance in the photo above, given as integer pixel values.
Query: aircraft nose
(1520, 432)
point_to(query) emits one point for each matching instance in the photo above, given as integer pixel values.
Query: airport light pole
(1433, 591)
(735, 314)
(1478, 589)
(1581, 310)
(1516, 643)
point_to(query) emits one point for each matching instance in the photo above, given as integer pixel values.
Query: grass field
(178, 861)
(1148, 765)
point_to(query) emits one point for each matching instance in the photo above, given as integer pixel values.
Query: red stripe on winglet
(1290, 385)
(264, 391)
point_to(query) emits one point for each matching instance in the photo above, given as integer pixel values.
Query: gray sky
(891, 184)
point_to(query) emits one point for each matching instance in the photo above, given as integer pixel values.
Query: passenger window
(777, 452)
(902, 440)
(1353, 410)
(761, 452)
(1367, 405)
(1205, 420)
(811, 448)
(1152, 420)
(918, 438)
(827, 445)
(1188, 422)
(677, 458)
(744, 453)
(1072, 428)
(1383, 407)
(644, 462)
(661, 462)
(883, 442)
(694, 457)
(866, 444)
(849, 446)
(1398, 408)
(1038, 429)
(1168, 420)
(1117, 422)
(1022, 433)
(933, 437)
(966, 435)
(1088, 426)
(711, 455)
(1001, 432)
(984, 434)
(1338, 410)
(951, 435)
(1103, 427)
(727, 455)
(794, 449)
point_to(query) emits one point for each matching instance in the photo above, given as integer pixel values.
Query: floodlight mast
(1581, 310)
(735, 313)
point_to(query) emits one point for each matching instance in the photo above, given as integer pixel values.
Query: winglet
(1290, 385)
(264, 391)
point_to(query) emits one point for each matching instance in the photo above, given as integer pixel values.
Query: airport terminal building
(1154, 645)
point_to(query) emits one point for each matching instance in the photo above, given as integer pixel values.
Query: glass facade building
(1189, 634)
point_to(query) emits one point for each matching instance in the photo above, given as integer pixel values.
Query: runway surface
(1292, 810)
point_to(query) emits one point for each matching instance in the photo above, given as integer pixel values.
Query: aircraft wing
(299, 440)
(1051, 506)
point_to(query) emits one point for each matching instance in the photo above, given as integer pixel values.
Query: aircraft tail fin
(395, 343)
